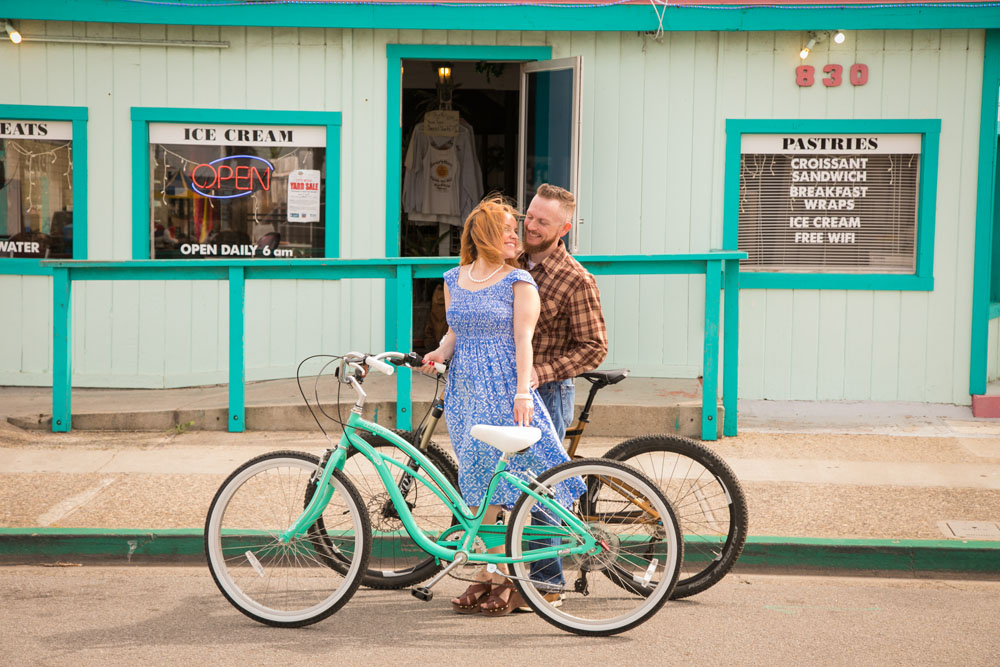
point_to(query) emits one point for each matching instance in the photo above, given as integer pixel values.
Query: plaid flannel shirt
(570, 337)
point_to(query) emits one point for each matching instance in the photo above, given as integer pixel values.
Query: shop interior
(460, 142)
(36, 198)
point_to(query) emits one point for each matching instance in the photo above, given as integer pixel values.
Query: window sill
(839, 281)
(11, 266)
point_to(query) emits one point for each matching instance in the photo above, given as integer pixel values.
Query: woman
(492, 308)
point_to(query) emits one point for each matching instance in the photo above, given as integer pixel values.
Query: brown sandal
(469, 601)
(496, 605)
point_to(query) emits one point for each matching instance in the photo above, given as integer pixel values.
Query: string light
(529, 3)
(543, 3)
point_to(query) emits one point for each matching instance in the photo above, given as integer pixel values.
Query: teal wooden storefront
(661, 120)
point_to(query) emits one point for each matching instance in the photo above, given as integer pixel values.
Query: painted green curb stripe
(777, 552)
(857, 554)
(99, 542)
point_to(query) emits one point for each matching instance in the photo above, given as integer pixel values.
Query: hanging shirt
(441, 186)
(463, 183)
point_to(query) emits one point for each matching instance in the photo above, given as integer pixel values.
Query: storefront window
(36, 189)
(244, 191)
(840, 203)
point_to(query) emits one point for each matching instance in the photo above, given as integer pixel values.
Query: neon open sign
(230, 177)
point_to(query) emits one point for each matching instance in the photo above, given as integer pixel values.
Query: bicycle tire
(275, 583)
(400, 562)
(600, 605)
(707, 497)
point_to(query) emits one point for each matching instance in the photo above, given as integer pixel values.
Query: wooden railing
(720, 268)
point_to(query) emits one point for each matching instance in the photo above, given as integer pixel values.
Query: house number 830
(805, 75)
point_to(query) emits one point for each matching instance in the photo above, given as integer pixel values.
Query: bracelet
(525, 396)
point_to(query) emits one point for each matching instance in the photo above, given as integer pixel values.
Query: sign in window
(237, 191)
(829, 203)
(36, 189)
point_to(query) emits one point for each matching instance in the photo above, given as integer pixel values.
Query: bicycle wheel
(639, 539)
(397, 561)
(287, 585)
(707, 497)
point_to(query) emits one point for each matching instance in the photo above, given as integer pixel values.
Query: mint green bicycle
(619, 543)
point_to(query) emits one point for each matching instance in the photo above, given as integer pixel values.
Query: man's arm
(588, 335)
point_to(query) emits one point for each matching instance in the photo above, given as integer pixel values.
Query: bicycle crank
(424, 592)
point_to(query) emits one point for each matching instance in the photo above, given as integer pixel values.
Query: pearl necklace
(483, 280)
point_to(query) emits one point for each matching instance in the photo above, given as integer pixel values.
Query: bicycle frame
(425, 431)
(471, 523)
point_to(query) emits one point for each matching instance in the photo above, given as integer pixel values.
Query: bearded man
(570, 336)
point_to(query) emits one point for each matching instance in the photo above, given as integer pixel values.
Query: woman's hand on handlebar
(435, 356)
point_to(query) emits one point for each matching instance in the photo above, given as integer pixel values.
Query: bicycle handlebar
(378, 361)
(414, 360)
(379, 365)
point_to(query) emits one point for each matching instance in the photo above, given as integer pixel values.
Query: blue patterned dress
(482, 381)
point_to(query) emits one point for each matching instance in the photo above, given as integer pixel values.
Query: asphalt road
(118, 615)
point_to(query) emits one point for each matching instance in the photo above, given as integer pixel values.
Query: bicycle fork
(321, 496)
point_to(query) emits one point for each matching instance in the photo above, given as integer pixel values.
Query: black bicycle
(702, 488)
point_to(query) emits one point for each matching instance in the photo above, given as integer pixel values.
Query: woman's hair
(483, 233)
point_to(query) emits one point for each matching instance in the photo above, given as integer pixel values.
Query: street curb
(978, 557)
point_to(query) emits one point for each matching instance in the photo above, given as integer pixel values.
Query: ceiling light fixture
(444, 74)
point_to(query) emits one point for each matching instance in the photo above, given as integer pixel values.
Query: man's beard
(531, 248)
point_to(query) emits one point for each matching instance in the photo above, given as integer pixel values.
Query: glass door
(549, 130)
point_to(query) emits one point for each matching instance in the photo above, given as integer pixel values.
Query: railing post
(62, 349)
(731, 346)
(237, 358)
(710, 365)
(404, 325)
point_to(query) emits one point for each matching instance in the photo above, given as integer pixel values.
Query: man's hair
(484, 231)
(565, 198)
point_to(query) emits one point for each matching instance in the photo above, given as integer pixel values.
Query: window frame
(142, 116)
(922, 279)
(78, 116)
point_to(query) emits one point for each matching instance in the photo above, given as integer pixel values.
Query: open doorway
(460, 142)
(511, 109)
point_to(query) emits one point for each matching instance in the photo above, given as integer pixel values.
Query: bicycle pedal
(422, 593)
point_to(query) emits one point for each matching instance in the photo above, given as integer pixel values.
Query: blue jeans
(558, 398)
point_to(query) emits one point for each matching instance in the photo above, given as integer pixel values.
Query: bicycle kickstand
(424, 592)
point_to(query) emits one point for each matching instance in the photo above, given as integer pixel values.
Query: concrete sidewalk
(631, 407)
(862, 486)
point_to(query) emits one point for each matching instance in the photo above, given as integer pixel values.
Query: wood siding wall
(652, 181)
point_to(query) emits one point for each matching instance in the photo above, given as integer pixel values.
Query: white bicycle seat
(508, 439)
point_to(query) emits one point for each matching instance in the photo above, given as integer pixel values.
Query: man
(570, 336)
